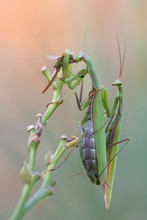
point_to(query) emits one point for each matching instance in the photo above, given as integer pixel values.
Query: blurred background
(29, 30)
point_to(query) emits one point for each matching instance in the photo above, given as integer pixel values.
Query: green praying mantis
(99, 157)
(98, 144)
(113, 132)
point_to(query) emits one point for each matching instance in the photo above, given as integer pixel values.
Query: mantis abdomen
(88, 152)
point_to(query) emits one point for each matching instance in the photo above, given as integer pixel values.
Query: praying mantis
(98, 144)
(90, 147)
(114, 134)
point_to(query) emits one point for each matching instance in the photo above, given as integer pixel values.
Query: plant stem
(23, 198)
(56, 101)
(46, 189)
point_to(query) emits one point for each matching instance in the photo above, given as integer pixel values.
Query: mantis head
(79, 57)
(117, 83)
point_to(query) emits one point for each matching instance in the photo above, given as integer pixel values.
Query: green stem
(27, 188)
(21, 204)
(32, 158)
(56, 101)
(45, 189)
